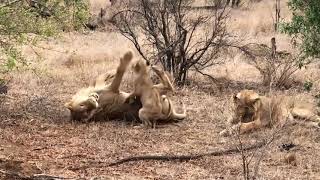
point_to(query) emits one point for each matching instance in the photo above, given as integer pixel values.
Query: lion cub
(154, 105)
(253, 111)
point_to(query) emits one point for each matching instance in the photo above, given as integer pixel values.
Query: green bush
(305, 27)
(24, 22)
(308, 85)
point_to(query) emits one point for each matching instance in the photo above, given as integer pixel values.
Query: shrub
(276, 67)
(304, 28)
(174, 34)
(24, 21)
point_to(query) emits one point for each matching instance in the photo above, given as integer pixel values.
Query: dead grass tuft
(257, 19)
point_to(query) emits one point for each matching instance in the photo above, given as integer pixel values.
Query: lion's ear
(136, 67)
(254, 98)
(68, 105)
(236, 97)
(256, 103)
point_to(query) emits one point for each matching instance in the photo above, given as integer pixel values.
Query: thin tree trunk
(184, 78)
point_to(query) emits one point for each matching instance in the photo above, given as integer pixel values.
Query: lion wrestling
(154, 105)
(102, 100)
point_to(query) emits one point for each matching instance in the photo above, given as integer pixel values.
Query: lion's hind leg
(307, 114)
(124, 63)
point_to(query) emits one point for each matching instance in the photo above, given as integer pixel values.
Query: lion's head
(246, 104)
(141, 67)
(83, 105)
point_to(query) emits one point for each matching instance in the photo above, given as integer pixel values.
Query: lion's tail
(179, 116)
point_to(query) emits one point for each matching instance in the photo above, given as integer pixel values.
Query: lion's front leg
(233, 123)
(233, 120)
(241, 128)
(250, 126)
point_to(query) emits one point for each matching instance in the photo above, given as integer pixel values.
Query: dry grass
(96, 5)
(35, 127)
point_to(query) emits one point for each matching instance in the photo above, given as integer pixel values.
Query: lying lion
(105, 101)
(253, 111)
(155, 106)
(101, 100)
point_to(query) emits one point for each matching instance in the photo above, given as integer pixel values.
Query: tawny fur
(108, 102)
(253, 111)
(154, 105)
(165, 86)
(103, 100)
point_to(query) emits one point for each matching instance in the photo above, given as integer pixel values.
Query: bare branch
(185, 157)
(170, 33)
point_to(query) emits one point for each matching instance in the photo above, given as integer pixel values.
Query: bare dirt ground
(38, 138)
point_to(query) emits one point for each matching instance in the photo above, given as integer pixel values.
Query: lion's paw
(127, 56)
(141, 126)
(225, 133)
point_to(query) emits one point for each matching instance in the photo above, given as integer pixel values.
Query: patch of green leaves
(304, 27)
(40, 18)
(308, 85)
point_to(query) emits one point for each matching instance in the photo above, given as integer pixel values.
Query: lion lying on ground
(155, 106)
(101, 100)
(105, 101)
(253, 111)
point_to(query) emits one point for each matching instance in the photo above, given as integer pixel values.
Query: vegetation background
(48, 53)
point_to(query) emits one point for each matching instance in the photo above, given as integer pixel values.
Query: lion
(253, 111)
(102, 100)
(155, 106)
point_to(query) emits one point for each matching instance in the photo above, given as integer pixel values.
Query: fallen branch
(185, 157)
(14, 175)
